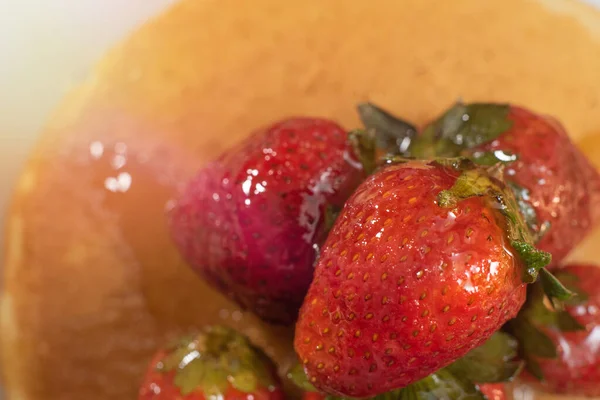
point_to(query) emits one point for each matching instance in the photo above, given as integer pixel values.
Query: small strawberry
(251, 222)
(424, 263)
(217, 363)
(557, 188)
(562, 348)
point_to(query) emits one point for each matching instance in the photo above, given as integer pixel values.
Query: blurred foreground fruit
(217, 363)
(562, 348)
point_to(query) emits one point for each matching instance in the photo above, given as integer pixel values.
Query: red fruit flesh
(564, 188)
(404, 287)
(251, 221)
(493, 391)
(577, 369)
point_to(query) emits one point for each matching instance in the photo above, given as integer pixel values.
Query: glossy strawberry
(424, 263)
(557, 187)
(217, 363)
(251, 222)
(563, 348)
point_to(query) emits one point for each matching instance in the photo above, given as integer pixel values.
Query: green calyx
(392, 135)
(384, 136)
(492, 362)
(528, 212)
(541, 313)
(462, 127)
(475, 181)
(215, 359)
(298, 377)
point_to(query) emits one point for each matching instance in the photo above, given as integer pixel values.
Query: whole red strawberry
(557, 188)
(251, 221)
(424, 263)
(563, 348)
(217, 363)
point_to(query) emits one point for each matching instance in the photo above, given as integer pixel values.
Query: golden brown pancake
(93, 284)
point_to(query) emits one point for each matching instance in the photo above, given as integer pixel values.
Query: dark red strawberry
(563, 348)
(218, 363)
(251, 221)
(557, 187)
(424, 263)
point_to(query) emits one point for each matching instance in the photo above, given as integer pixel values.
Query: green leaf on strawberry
(392, 135)
(214, 359)
(523, 197)
(492, 362)
(297, 375)
(542, 312)
(556, 291)
(443, 384)
(462, 127)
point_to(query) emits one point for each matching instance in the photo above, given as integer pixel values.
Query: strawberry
(216, 363)
(251, 222)
(557, 187)
(426, 260)
(562, 348)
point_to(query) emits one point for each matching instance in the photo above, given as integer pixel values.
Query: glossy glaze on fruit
(553, 176)
(403, 286)
(252, 221)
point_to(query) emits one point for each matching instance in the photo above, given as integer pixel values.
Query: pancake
(92, 283)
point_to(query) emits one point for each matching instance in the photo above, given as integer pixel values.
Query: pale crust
(93, 285)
